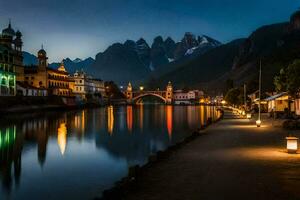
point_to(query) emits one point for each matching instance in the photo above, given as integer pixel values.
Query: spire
(9, 23)
(42, 46)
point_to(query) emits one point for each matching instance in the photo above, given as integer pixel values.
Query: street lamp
(258, 122)
(291, 144)
(141, 88)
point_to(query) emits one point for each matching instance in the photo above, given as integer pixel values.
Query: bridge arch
(135, 99)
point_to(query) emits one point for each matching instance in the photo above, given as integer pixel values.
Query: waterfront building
(85, 85)
(187, 97)
(254, 98)
(297, 106)
(56, 81)
(11, 60)
(279, 103)
(99, 87)
(24, 89)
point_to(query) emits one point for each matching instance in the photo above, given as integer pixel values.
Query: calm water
(78, 154)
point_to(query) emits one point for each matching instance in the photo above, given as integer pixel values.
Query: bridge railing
(138, 93)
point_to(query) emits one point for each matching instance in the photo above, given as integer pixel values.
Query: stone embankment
(231, 159)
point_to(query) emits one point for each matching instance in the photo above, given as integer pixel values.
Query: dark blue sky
(81, 28)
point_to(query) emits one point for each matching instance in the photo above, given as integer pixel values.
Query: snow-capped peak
(203, 40)
(190, 51)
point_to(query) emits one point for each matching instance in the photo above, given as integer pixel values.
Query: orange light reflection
(62, 137)
(110, 119)
(169, 119)
(129, 118)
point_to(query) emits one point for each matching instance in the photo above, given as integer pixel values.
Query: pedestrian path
(232, 160)
(230, 115)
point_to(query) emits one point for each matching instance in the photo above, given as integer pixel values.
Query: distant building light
(249, 115)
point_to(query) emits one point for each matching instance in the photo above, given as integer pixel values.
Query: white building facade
(187, 97)
(85, 85)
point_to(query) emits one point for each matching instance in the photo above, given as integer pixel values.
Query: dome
(62, 67)
(8, 31)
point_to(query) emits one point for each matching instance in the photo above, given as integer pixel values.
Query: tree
(293, 80)
(280, 81)
(113, 91)
(288, 79)
(234, 96)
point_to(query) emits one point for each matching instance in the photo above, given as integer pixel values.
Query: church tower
(169, 93)
(18, 42)
(42, 58)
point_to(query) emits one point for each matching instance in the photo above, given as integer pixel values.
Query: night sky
(82, 28)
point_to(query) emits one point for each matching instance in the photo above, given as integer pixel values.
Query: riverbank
(41, 104)
(129, 182)
(232, 160)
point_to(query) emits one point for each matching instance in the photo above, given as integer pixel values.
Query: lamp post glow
(249, 116)
(245, 100)
(141, 88)
(291, 144)
(258, 122)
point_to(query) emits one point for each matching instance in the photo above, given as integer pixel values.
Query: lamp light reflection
(62, 137)
(129, 118)
(169, 118)
(110, 119)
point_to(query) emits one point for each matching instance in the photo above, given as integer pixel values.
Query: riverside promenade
(233, 159)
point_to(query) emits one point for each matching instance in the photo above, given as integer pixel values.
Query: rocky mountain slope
(276, 45)
(196, 71)
(134, 61)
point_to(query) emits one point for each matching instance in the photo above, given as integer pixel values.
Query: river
(78, 154)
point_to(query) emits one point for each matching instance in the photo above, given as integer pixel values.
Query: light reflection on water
(78, 154)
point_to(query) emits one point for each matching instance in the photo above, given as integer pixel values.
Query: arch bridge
(134, 96)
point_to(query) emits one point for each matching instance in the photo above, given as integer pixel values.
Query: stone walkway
(232, 160)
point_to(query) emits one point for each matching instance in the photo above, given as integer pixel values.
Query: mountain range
(134, 61)
(70, 65)
(275, 46)
(196, 61)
